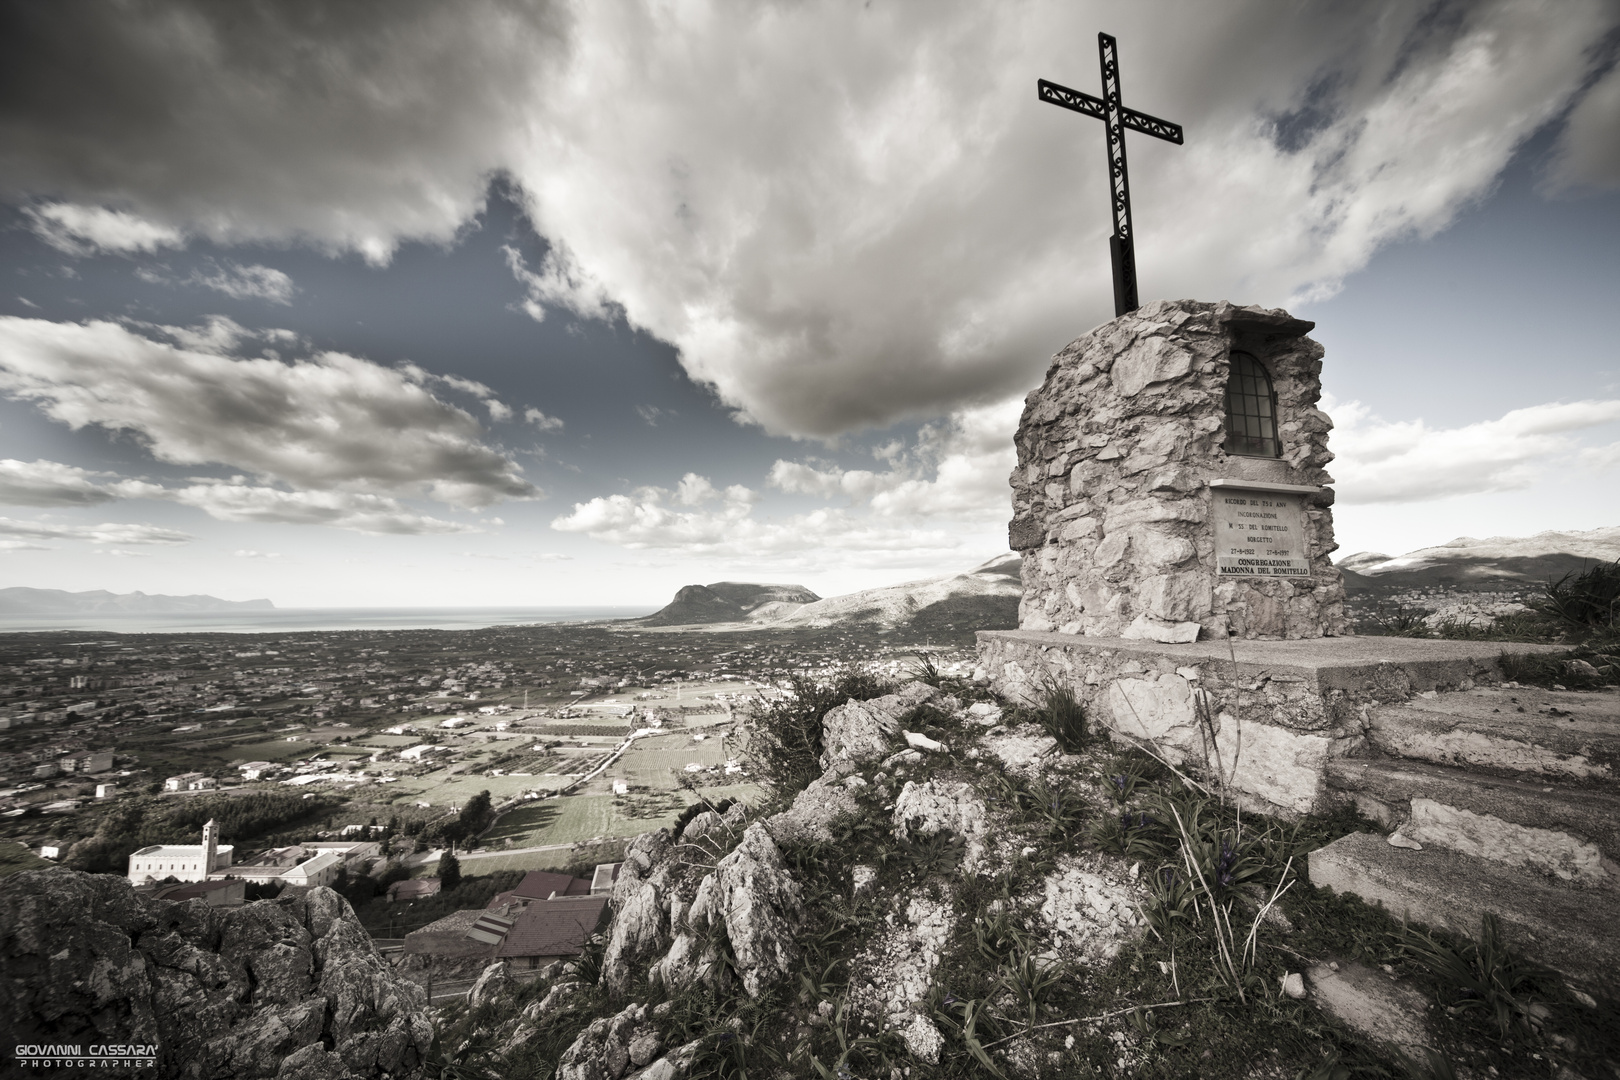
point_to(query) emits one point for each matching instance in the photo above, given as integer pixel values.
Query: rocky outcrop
(288, 988)
(492, 984)
(1116, 452)
(752, 901)
(862, 731)
(935, 807)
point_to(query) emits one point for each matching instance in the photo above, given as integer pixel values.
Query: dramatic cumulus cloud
(1382, 461)
(540, 420)
(332, 423)
(958, 468)
(107, 533)
(340, 509)
(840, 214)
(697, 519)
(87, 230)
(50, 483)
(1588, 153)
(946, 495)
(233, 279)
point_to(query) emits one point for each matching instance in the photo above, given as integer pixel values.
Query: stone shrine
(1171, 481)
(1175, 524)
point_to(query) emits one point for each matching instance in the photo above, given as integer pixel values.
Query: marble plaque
(1259, 533)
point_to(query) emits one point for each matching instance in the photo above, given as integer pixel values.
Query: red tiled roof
(555, 928)
(540, 884)
(412, 888)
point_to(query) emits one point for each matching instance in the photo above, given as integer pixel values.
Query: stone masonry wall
(1111, 497)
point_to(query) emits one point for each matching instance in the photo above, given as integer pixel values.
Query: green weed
(1484, 975)
(1584, 603)
(1063, 717)
(784, 746)
(1398, 621)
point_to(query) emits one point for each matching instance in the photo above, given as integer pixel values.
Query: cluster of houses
(547, 916)
(208, 869)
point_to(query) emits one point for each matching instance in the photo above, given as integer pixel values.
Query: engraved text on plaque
(1259, 533)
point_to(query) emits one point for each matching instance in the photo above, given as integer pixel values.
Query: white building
(179, 783)
(417, 753)
(183, 862)
(321, 870)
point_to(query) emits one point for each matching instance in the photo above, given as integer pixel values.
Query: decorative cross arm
(1117, 119)
(1082, 102)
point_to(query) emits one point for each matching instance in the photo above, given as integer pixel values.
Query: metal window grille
(1251, 410)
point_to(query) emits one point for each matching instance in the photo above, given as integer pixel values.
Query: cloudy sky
(403, 303)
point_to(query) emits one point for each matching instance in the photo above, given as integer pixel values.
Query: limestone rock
(640, 857)
(860, 731)
(602, 1050)
(1159, 711)
(923, 1039)
(1485, 836)
(809, 819)
(492, 984)
(1021, 751)
(286, 988)
(640, 930)
(939, 806)
(1146, 628)
(753, 898)
(1090, 915)
(893, 975)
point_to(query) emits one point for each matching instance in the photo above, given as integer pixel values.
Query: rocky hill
(289, 988)
(984, 598)
(21, 600)
(959, 894)
(728, 601)
(1494, 564)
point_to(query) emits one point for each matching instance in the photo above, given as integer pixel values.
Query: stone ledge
(1332, 663)
(1325, 652)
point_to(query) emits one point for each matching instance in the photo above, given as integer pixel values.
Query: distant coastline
(310, 620)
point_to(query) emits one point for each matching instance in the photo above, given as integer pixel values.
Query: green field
(395, 741)
(442, 790)
(658, 769)
(578, 817)
(275, 750)
(536, 860)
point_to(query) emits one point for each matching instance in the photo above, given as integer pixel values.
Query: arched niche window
(1251, 410)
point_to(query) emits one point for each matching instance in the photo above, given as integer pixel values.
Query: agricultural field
(579, 817)
(442, 788)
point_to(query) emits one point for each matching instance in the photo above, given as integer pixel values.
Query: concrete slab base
(1569, 929)
(1373, 1004)
(1264, 717)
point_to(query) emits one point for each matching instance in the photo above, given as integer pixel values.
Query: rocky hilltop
(728, 601)
(290, 988)
(984, 598)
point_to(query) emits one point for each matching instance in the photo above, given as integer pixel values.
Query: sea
(307, 620)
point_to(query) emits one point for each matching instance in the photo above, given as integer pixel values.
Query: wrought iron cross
(1116, 117)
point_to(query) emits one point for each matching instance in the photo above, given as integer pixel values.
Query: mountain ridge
(22, 600)
(1491, 564)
